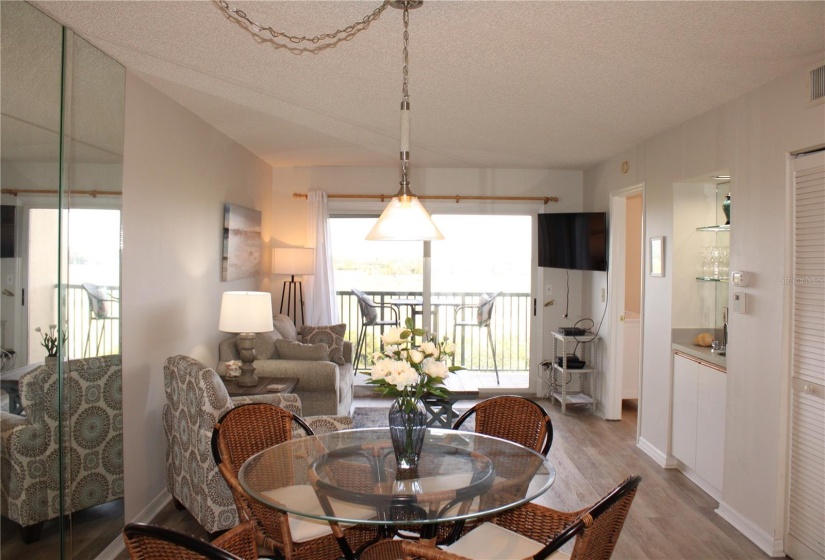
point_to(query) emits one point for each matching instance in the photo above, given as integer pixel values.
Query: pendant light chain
(405, 88)
(348, 30)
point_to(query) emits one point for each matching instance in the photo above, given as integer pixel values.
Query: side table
(235, 390)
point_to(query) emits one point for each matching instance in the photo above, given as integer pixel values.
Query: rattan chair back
(148, 542)
(513, 418)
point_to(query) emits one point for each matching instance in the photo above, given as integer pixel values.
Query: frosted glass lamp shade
(293, 261)
(246, 312)
(405, 219)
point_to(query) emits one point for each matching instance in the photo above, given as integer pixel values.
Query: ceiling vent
(816, 85)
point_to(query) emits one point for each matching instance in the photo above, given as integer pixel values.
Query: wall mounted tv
(573, 240)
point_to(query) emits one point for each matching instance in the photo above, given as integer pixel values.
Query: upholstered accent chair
(195, 399)
(92, 422)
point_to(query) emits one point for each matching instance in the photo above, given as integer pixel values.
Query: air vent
(816, 85)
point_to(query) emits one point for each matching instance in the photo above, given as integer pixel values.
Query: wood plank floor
(671, 518)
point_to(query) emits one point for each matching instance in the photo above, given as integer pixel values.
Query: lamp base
(246, 349)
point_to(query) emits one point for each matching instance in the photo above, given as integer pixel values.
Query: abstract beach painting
(241, 242)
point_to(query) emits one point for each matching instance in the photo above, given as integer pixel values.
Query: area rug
(376, 417)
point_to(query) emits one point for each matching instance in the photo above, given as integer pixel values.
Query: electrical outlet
(604, 295)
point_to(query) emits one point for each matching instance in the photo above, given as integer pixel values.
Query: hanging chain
(348, 30)
(405, 88)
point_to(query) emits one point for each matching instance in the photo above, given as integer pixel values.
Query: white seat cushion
(489, 541)
(302, 497)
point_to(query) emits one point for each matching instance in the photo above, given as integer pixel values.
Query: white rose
(402, 375)
(393, 336)
(429, 348)
(435, 368)
(416, 356)
(381, 369)
(377, 357)
(449, 348)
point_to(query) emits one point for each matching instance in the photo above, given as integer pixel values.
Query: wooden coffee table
(235, 390)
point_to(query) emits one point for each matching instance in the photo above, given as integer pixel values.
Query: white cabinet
(698, 421)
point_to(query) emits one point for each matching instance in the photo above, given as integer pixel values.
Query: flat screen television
(573, 240)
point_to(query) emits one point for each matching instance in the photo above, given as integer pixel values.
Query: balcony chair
(148, 542)
(246, 430)
(370, 318)
(532, 531)
(484, 312)
(195, 399)
(100, 309)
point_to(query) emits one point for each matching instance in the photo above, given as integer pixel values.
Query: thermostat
(739, 278)
(740, 302)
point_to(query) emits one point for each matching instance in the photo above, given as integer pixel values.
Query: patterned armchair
(92, 443)
(195, 399)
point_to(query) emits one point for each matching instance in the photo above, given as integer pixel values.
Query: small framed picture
(657, 256)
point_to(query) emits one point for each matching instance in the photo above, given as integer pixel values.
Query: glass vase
(408, 425)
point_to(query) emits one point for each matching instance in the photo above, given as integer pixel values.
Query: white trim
(662, 459)
(146, 516)
(774, 548)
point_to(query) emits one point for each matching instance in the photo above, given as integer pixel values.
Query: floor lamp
(292, 262)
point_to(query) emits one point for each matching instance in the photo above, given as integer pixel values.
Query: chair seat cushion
(303, 497)
(489, 541)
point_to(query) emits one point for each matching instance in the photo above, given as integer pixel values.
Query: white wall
(177, 174)
(751, 136)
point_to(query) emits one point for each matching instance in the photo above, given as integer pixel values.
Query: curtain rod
(457, 198)
(93, 194)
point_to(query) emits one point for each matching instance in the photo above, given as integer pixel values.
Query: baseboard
(146, 516)
(651, 451)
(775, 548)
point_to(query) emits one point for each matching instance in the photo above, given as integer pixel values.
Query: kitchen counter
(682, 341)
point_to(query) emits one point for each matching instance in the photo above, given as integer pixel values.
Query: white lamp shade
(405, 219)
(293, 261)
(246, 312)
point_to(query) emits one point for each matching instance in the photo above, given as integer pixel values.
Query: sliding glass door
(440, 284)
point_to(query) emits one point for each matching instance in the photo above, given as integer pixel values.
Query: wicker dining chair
(513, 418)
(248, 429)
(149, 542)
(536, 532)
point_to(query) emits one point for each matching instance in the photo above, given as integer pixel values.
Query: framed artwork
(241, 242)
(657, 256)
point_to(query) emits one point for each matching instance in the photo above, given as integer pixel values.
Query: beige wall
(178, 172)
(633, 253)
(751, 137)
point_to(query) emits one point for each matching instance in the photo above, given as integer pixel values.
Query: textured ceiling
(492, 84)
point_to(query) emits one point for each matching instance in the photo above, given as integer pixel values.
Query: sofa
(324, 386)
(195, 399)
(92, 420)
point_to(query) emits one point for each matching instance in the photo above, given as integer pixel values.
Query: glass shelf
(725, 227)
(709, 279)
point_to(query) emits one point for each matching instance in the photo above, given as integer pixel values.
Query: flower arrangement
(233, 368)
(408, 372)
(49, 339)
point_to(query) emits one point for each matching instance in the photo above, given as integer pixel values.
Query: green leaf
(455, 368)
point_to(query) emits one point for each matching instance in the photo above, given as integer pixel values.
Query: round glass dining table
(350, 477)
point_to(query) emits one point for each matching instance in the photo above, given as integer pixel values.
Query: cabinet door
(710, 425)
(685, 385)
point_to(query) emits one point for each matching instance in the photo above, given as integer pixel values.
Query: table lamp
(293, 261)
(246, 313)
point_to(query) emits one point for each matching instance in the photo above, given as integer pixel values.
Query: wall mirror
(61, 175)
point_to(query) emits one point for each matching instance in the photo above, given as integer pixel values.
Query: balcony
(510, 326)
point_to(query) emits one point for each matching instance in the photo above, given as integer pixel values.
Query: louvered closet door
(806, 511)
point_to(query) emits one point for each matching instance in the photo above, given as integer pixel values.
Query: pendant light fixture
(404, 218)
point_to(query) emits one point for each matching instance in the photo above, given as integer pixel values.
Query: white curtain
(321, 307)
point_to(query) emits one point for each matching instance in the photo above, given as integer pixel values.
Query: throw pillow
(265, 345)
(291, 350)
(331, 335)
(284, 325)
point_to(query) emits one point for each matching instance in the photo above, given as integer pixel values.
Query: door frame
(616, 286)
